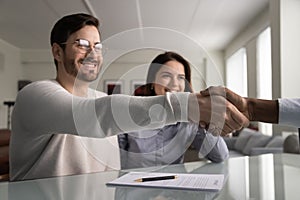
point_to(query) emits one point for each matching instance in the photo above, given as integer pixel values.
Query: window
(264, 73)
(236, 72)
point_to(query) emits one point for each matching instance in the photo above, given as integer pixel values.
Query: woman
(168, 72)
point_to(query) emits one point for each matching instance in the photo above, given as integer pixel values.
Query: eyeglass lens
(85, 45)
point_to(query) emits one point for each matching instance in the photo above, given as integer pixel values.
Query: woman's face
(170, 78)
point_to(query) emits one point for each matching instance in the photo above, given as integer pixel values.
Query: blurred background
(250, 46)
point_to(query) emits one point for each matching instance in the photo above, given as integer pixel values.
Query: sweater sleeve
(43, 108)
(289, 111)
(121, 113)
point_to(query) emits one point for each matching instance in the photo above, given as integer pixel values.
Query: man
(58, 125)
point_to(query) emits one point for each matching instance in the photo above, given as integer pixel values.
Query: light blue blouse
(167, 146)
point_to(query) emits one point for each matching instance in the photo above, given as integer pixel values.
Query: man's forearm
(263, 110)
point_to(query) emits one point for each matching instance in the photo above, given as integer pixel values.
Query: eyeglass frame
(86, 48)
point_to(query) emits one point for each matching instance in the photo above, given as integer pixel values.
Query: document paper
(212, 182)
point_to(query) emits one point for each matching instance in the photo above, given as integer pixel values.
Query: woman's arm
(211, 147)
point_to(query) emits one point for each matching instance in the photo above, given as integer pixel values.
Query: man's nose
(91, 52)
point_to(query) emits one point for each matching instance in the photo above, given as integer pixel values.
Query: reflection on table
(260, 177)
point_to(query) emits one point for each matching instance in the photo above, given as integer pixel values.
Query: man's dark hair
(68, 25)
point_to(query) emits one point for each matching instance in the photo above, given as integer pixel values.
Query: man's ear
(57, 52)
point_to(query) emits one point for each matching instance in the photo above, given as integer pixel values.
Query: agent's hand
(238, 101)
(218, 115)
(254, 109)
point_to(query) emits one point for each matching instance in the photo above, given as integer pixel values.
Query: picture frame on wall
(113, 86)
(135, 86)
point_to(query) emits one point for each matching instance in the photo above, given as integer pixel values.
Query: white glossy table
(259, 177)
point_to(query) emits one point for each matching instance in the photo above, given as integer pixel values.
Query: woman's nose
(174, 82)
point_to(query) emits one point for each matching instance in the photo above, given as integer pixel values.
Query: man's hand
(218, 115)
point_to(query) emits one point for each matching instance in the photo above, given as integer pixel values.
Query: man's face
(81, 60)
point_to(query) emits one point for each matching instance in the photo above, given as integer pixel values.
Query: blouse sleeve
(211, 147)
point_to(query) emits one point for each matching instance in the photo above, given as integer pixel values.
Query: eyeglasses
(84, 46)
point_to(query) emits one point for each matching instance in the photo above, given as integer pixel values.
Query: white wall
(251, 65)
(37, 64)
(261, 22)
(132, 66)
(290, 47)
(215, 74)
(10, 73)
(15, 65)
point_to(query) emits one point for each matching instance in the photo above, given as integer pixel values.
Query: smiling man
(59, 126)
(77, 55)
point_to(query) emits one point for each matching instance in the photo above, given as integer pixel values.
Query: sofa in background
(250, 142)
(291, 144)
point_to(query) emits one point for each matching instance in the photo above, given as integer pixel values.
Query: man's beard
(88, 76)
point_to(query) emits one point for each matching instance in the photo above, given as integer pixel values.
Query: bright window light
(236, 72)
(264, 73)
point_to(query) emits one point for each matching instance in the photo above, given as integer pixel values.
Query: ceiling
(213, 23)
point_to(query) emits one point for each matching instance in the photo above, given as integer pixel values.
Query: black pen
(158, 178)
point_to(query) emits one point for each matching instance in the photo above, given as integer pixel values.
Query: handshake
(222, 111)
